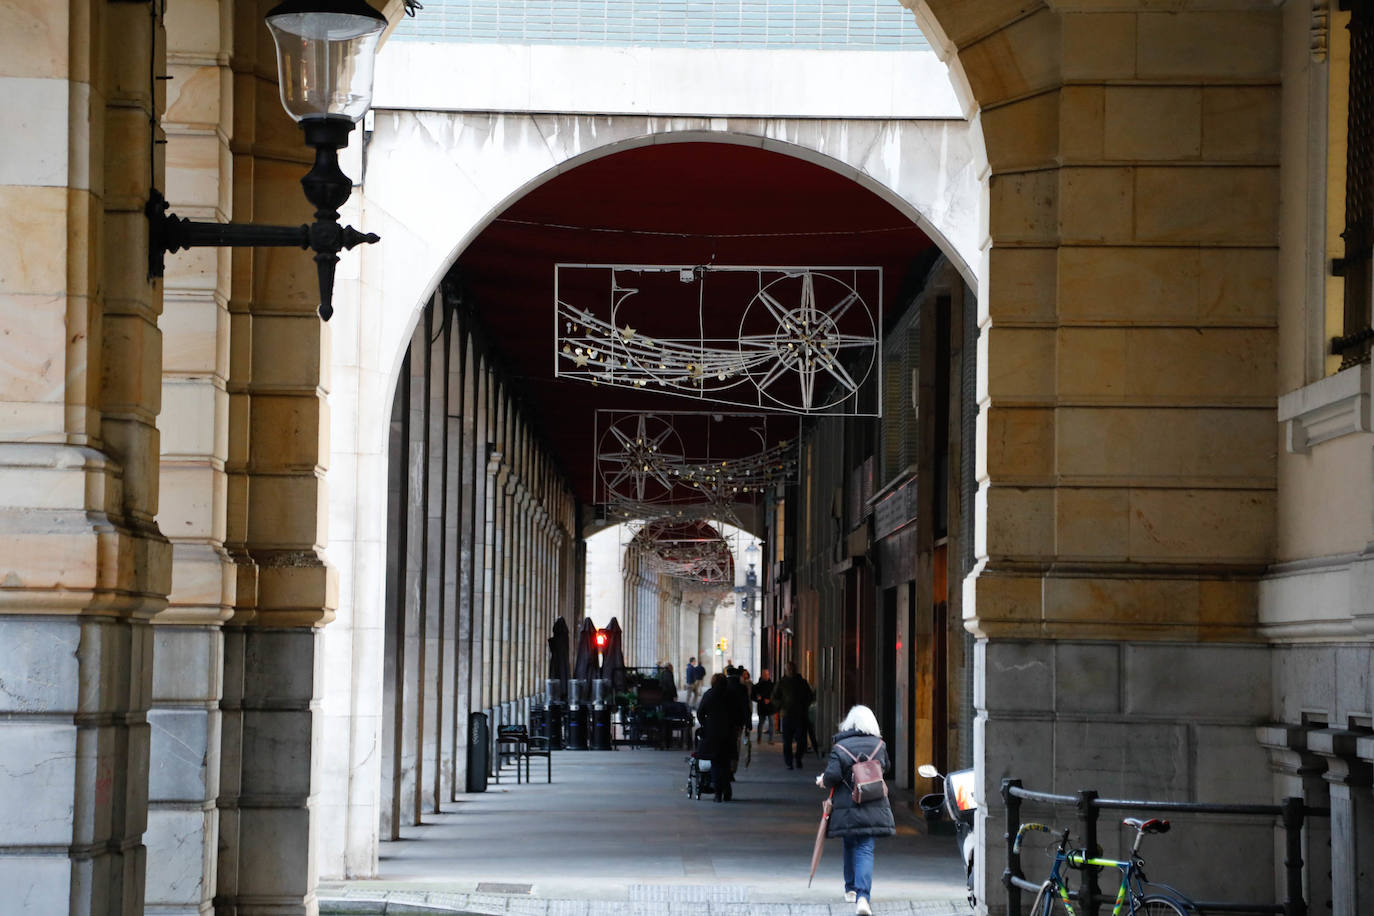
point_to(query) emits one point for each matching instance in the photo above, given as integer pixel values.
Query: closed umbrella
(558, 655)
(613, 658)
(820, 837)
(586, 667)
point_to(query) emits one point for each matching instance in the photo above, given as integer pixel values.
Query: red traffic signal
(601, 639)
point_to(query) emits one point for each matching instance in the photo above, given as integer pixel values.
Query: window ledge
(1335, 406)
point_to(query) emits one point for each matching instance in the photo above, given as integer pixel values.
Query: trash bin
(553, 726)
(479, 749)
(577, 728)
(601, 729)
(933, 807)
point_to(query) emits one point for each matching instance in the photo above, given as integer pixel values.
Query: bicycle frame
(1129, 891)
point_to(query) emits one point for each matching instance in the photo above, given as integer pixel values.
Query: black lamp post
(325, 54)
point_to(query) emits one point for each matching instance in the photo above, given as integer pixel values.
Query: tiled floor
(616, 833)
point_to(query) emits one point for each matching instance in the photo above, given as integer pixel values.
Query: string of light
(797, 348)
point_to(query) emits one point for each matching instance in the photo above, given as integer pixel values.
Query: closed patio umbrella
(586, 666)
(558, 655)
(613, 658)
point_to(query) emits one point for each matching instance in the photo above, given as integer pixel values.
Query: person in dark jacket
(739, 710)
(717, 716)
(763, 698)
(792, 697)
(858, 825)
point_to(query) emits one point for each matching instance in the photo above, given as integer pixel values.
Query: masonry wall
(1127, 385)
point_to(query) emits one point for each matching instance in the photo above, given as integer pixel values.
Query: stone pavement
(616, 833)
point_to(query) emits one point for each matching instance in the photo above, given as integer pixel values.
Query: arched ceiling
(668, 203)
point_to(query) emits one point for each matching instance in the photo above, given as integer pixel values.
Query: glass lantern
(325, 56)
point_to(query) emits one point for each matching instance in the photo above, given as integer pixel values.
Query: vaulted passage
(513, 441)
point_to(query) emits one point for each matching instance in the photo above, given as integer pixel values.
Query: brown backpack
(866, 776)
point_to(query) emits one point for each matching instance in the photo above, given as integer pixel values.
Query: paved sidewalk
(616, 833)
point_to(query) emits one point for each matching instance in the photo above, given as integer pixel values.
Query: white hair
(861, 719)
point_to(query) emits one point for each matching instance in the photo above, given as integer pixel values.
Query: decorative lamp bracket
(326, 187)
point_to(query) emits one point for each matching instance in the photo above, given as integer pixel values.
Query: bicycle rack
(1292, 813)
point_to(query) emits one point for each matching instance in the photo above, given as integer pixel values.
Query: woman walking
(716, 712)
(857, 824)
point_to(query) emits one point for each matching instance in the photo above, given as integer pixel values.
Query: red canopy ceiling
(674, 203)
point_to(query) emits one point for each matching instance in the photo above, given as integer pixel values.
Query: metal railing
(1293, 813)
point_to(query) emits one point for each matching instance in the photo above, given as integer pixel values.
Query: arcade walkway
(615, 833)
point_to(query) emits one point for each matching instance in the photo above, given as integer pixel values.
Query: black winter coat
(716, 712)
(872, 818)
(739, 703)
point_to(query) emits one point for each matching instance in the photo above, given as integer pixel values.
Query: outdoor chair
(515, 741)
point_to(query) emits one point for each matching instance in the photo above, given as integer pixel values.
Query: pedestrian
(695, 675)
(716, 715)
(857, 824)
(665, 680)
(792, 698)
(739, 710)
(763, 700)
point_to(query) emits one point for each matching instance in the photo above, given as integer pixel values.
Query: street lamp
(751, 582)
(325, 55)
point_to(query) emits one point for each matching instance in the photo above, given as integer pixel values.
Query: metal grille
(872, 25)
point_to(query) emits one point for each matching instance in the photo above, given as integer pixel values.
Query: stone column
(452, 749)
(278, 444)
(431, 582)
(1127, 315)
(183, 819)
(489, 614)
(706, 631)
(526, 595)
(82, 564)
(501, 661)
(469, 610)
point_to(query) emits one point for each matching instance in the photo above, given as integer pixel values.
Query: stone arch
(944, 201)
(513, 155)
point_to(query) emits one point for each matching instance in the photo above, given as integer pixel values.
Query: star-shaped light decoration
(639, 459)
(806, 343)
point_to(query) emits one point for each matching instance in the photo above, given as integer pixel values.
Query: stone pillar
(501, 662)
(1127, 315)
(184, 776)
(469, 622)
(278, 443)
(1348, 756)
(452, 751)
(706, 631)
(489, 613)
(527, 592)
(432, 661)
(82, 564)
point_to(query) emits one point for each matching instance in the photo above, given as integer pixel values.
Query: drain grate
(493, 887)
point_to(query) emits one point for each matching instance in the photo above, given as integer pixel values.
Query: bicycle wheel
(1161, 906)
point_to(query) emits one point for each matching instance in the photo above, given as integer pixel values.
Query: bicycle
(1131, 896)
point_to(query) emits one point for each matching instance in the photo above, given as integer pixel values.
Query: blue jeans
(858, 865)
(766, 720)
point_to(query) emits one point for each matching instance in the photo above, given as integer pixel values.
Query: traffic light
(601, 640)
(721, 644)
